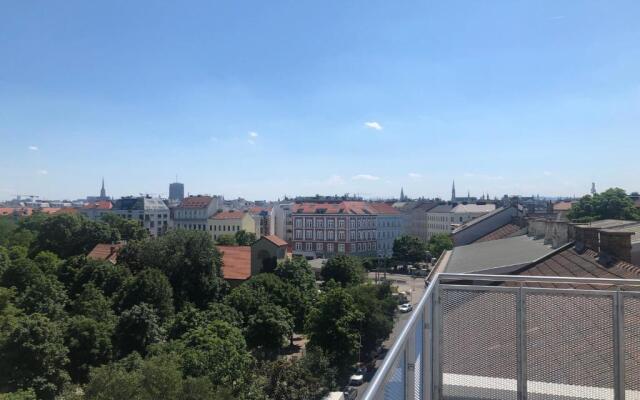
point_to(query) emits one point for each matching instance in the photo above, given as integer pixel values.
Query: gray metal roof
(483, 256)
(442, 208)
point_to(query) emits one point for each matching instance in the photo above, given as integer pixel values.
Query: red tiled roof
(384, 208)
(500, 233)
(68, 210)
(105, 252)
(229, 215)
(49, 210)
(20, 211)
(236, 262)
(345, 207)
(275, 240)
(196, 202)
(563, 206)
(257, 210)
(101, 205)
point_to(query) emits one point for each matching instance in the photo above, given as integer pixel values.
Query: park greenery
(410, 249)
(163, 324)
(610, 204)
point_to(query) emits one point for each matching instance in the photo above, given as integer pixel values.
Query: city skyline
(266, 99)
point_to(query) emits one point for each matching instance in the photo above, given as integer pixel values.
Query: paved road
(415, 286)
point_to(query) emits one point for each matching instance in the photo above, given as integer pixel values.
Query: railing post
(521, 340)
(618, 346)
(427, 343)
(436, 312)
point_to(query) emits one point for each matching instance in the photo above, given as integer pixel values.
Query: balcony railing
(516, 337)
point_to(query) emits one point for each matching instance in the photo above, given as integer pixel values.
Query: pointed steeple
(402, 194)
(103, 192)
(453, 191)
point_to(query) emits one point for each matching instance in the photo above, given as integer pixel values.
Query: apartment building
(326, 229)
(230, 222)
(96, 209)
(151, 212)
(194, 211)
(389, 225)
(446, 217)
(283, 224)
(264, 219)
(415, 218)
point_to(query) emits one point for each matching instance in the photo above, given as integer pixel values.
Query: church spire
(453, 191)
(402, 198)
(103, 192)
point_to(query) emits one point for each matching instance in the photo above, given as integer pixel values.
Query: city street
(405, 283)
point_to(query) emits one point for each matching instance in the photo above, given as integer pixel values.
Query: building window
(341, 223)
(308, 235)
(340, 247)
(308, 222)
(352, 235)
(298, 246)
(319, 223)
(330, 235)
(352, 223)
(330, 247)
(298, 234)
(319, 235)
(298, 222)
(341, 235)
(319, 247)
(330, 223)
(309, 246)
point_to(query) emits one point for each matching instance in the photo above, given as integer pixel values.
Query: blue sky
(265, 98)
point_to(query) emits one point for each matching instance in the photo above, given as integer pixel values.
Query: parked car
(351, 393)
(357, 379)
(405, 308)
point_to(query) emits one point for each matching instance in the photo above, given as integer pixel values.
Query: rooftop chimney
(587, 236)
(616, 244)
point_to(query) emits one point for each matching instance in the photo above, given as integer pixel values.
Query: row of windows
(331, 235)
(442, 227)
(214, 228)
(331, 248)
(310, 222)
(444, 218)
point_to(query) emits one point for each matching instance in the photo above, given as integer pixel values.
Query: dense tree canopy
(188, 258)
(137, 329)
(244, 238)
(345, 270)
(129, 229)
(150, 286)
(610, 204)
(439, 243)
(409, 249)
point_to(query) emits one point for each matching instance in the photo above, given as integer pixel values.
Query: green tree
(5, 260)
(217, 351)
(23, 394)
(297, 272)
(107, 277)
(138, 328)
(68, 235)
(127, 228)
(20, 273)
(291, 380)
(226, 239)
(268, 327)
(92, 303)
(48, 262)
(345, 270)
(244, 238)
(150, 286)
(44, 295)
(34, 356)
(191, 318)
(439, 243)
(334, 326)
(409, 249)
(610, 204)
(377, 306)
(89, 343)
(188, 258)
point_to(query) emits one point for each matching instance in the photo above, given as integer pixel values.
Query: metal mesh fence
(479, 346)
(395, 387)
(631, 336)
(570, 340)
(419, 364)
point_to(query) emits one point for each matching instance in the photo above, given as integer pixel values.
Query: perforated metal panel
(395, 387)
(570, 339)
(632, 345)
(419, 364)
(478, 343)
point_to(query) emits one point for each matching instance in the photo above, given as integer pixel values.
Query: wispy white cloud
(42, 172)
(415, 175)
(252, 137)
(365, 177)
(33, 148)
(253, 134)
(373, 125)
